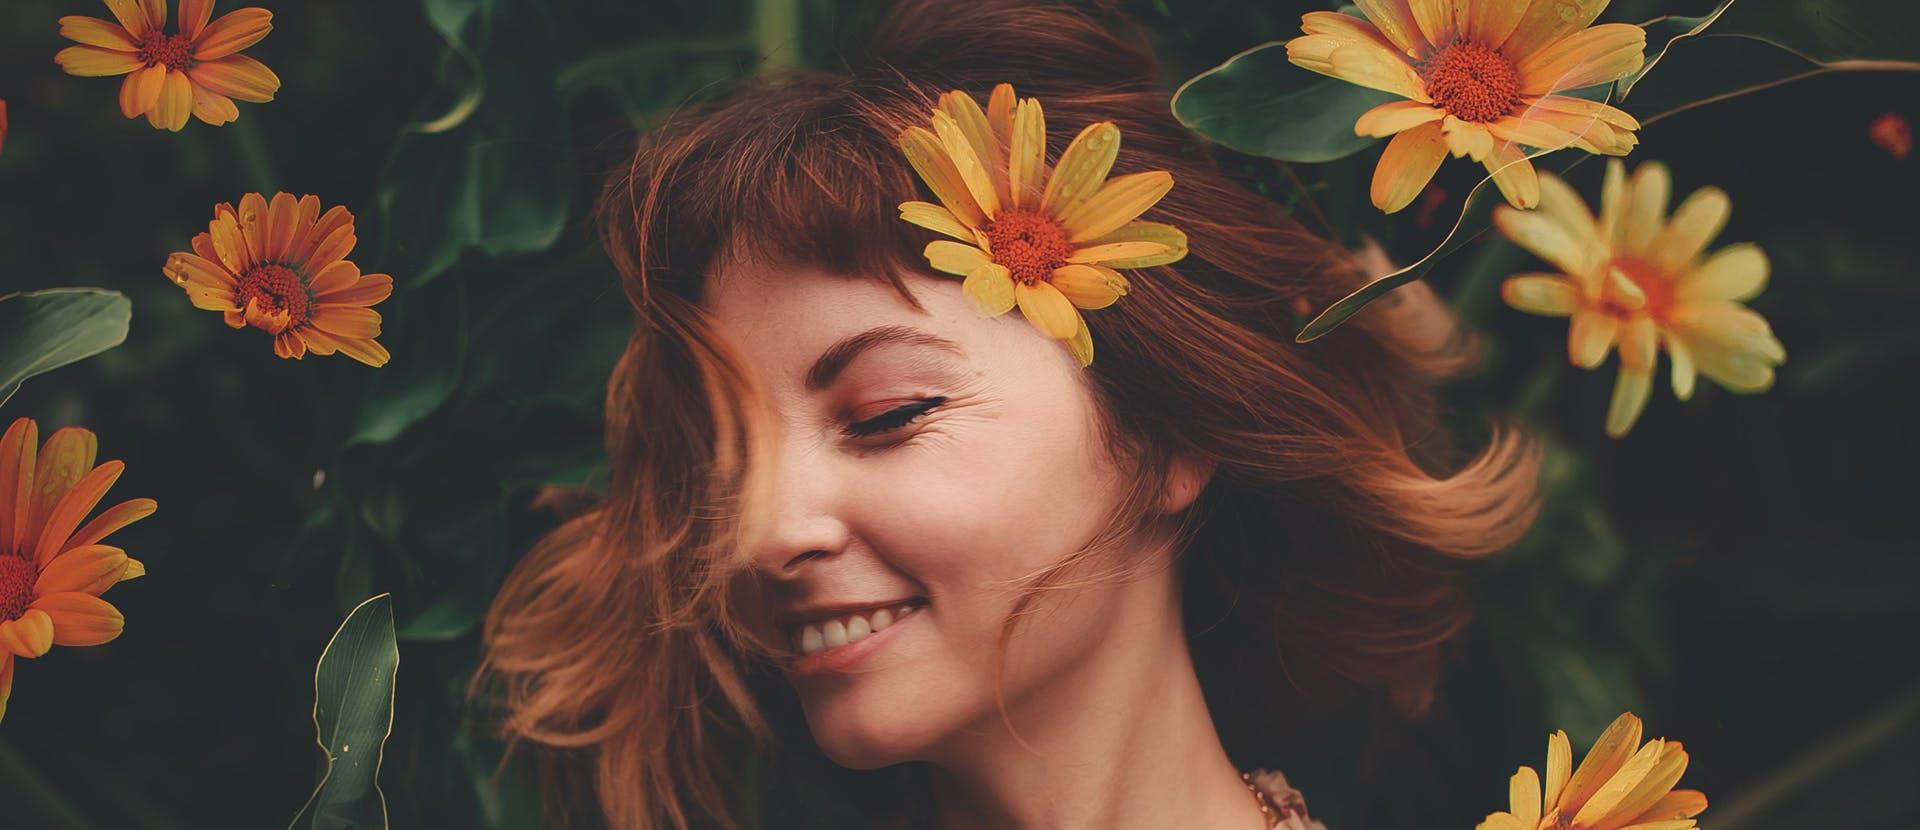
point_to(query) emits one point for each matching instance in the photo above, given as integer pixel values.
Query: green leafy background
(1740, 571)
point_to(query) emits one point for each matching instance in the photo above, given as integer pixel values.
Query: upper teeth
(834, 633)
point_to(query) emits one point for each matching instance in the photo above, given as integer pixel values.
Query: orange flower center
(1029, 243)
(1472, 82)
(17, 575)
(1650, 280)
(171, 51)
(279, 292)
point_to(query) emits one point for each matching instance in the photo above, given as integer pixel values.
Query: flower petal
(1174, 240)
(1047, 309)
(176, 102)
(954, 258)
(282, 214)
(81, 619)
(1435, 19)
(935, 218)
(184, 269)
(1548, 239)
(974, 171)
(1736, 273)
(112, 519)
(19, 447)
(1465, 138)
(1548, 295)
(973, 124)
(1001, 104)
(1080, 345)
(1539, 132)
(1631, 389)
(1112, 251)
(1394, 116)
(369, 290)
(1513, 173)
(93, 31)
(193, 17)
(1491, 23)
(1614, 747)
(1406, 166)
(1377, 68)
(990, 287)
(64, 460)
(234, 31)
(1546, 21)
(1559, 768)
(1395, 19)
(1607, 52)
(1646, 209)
(1089, 286)
(1665, 774)
(1027, 159)
(1678, 804)
(333, 250)
(6, 681)
(1695, 223)
(928, 157)
(89, 570)
(1344, 26)
(133, 16)
(95, 62)
(253, 225)
(238, 77)
(1121, 200)
(1523, 796)
(73, 507)
(288, 345)
(1082, 169)
(31, 635)
(1589, 336)
(347, 322)
(212, 107)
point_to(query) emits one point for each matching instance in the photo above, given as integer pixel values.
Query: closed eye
(893, 419)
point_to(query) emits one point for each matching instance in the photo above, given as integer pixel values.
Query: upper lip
(798, 613)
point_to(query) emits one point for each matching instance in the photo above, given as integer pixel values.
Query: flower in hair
(1481, 79)
(1049, 241)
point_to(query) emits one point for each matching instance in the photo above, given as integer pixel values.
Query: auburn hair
(1324, 556)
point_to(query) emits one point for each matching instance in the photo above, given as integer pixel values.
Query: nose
(807, 521)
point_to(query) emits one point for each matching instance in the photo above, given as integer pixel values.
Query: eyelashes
(893, 419)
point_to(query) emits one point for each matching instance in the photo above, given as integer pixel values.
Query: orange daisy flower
(1049, 242)
(196, 71)
(53, 570)
(282, 268)
(1480, 77)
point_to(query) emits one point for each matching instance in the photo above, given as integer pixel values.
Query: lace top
(1287, 801)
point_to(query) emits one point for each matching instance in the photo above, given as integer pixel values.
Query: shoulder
(1292, 806)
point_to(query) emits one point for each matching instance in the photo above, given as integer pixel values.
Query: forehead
(782, 317)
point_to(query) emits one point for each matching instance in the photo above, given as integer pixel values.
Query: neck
(1122, 740)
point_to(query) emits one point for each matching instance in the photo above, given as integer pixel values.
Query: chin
(857, 731)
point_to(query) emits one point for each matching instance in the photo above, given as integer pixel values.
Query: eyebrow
(837, 357)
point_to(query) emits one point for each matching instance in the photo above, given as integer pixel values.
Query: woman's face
(925, 456)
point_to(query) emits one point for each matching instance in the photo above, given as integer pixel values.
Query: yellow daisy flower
(1049, 242)
(196, 71)
(1637, 279)
(52, 569)
(1480, 78)
(1615, 788)
(282, 267)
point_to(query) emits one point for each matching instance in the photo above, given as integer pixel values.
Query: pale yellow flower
(1480, 78)
(1620, 785)
(1637, 279)
(1048, 241)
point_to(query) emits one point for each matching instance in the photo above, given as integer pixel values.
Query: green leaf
(352, 716)
(1260, 104)
(451, 618)
(432, 345)
(44, 330)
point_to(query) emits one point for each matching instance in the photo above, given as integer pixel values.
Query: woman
(854, 520)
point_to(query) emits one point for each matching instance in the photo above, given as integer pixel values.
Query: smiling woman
(853, 518)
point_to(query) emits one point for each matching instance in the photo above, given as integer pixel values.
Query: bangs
(802, 170)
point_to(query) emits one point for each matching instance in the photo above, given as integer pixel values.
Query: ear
(1185, 479)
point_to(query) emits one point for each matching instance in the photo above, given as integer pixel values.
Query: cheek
(990, 500)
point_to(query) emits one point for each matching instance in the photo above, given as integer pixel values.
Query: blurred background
(1739, 571)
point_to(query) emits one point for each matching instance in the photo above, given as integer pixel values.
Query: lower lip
(831, 660)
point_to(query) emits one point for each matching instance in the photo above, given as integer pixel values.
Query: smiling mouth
(825, 635)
